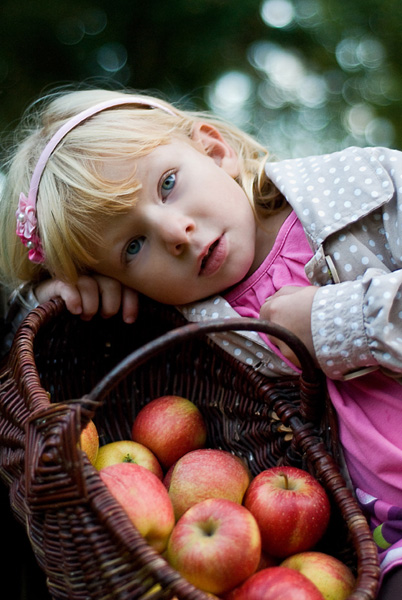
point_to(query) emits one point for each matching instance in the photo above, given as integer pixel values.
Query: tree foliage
(304, 75)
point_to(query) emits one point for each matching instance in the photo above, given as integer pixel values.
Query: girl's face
(192, 232)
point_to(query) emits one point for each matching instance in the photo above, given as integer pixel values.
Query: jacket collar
(362, 185)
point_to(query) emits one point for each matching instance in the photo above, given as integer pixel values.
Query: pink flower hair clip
(27, 225)
(27, 222)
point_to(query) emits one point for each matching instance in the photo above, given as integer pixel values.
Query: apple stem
(209, 527)
(284, 475)
(128, 459)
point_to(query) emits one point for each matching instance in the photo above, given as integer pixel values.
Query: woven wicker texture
(61, 372)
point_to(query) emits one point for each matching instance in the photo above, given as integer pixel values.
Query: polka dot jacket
(350, 206)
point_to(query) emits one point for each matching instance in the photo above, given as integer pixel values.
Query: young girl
(113, 194)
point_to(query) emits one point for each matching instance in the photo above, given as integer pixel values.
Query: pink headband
(26, 212)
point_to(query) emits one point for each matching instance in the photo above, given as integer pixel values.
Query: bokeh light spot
(95, 21)
(231, 90)
(112, 57)
(277, 13)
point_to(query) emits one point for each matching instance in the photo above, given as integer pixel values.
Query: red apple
(89, 441)
(215, 545)
(129, 452)
(207, 473)
(145, 500)
(332, 577)
(169, 426)
(291, 508)
(276, 583)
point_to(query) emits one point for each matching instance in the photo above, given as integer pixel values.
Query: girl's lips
(214, 258)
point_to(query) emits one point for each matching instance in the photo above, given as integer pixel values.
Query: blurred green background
(305, 76)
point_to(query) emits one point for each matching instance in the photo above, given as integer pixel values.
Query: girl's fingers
(110, 295)
(90, 295)
(130, 305)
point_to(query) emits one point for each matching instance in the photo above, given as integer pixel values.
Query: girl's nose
(176, 232)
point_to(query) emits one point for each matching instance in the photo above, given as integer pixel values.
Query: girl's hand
(290, 307)
(90, 295)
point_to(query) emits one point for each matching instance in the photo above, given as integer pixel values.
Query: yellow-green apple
(206, 473)
(169, 426)
(89, 441)
(215, 545)
(333, 578)
(145, 500)
(291, 508)
(129, 452)
(274, 583)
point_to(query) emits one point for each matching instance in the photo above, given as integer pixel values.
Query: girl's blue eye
(168, 184)
(135, 246)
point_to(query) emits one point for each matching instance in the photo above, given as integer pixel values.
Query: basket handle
(310, 379)
(54, 473)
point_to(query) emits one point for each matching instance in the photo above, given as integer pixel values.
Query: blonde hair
(75, 197)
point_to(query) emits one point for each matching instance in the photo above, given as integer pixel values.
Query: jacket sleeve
(358, 324)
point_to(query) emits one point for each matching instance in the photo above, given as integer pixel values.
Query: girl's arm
(357, 324)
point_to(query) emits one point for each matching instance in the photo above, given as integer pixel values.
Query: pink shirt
(284, 265)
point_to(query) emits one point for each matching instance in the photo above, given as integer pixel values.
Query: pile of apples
(227, 533)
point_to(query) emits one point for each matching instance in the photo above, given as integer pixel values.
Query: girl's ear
(211, 141)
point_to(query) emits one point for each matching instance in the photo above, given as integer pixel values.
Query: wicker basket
(62, 371)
